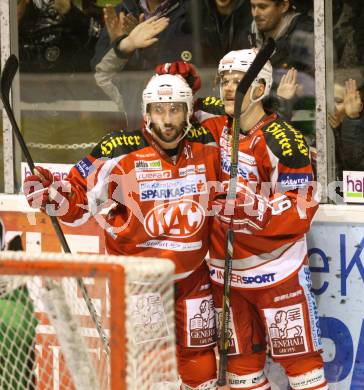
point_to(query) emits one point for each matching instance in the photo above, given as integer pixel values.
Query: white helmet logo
(165, 90)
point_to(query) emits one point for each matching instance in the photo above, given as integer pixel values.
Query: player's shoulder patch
(209, 106)
(287, 143)
(118, 143)
(201, 134)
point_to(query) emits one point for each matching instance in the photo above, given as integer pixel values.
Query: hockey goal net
(49, 339)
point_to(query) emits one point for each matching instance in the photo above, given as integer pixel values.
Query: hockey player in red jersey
(158, 179)
(271, 296)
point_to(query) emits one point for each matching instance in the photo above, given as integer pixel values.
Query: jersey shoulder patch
(287, 143)
(208, 107)
(201, 134)
(210, 104)
(118, 143)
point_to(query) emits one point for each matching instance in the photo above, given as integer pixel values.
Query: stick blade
(7, 77)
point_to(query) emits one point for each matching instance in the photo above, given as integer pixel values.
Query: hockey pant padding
(306, 372)
(197, 368)
(195, 311)
(245, 372)
(204, 386)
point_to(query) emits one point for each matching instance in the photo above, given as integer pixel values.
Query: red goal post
(48, 339)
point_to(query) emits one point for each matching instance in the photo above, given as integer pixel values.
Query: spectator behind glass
(348, 29)
(292, 31)
(224, 27)
(55, 36)
(137, 36)
(174, 43)
(347, 121)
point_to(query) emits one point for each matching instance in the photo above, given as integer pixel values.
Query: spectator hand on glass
(347, 103)
(288, 85)
(118, 25)
(144, 34)
(353, 104)
(335, 119)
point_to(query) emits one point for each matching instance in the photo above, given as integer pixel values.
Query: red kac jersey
(159, 204)
(273, 160)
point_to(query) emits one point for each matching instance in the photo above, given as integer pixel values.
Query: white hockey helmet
(167, 88)
(240, 61)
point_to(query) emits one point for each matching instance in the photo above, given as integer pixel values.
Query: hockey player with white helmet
(175, 91)
(240, 61)
(273, 210)
(157, 178)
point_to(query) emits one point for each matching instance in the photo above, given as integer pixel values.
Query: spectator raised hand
(353, 104)
(288, 85)
(118, 25)
(348, 103)
(144, 34)
(335, 119)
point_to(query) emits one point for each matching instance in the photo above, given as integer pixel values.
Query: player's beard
(167, 132)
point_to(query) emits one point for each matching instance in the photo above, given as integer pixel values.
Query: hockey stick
(262, 57)
(7, 77)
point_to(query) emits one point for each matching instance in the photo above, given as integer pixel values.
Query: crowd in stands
(55, 36)
(110, 38)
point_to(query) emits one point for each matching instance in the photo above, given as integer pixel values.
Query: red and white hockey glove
(45, 193)
(185, 69)
(249, 212)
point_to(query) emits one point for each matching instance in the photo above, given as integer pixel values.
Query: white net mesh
(48, 339)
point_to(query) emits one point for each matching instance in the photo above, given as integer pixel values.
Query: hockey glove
(45, 193)
(249, 212)
(185, 69)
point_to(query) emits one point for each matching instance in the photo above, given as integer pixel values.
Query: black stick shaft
(7, 76)
(262, 57)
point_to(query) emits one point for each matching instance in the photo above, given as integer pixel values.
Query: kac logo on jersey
(179, 219)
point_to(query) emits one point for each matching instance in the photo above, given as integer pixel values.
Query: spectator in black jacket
(292, 31)
(225, 26)
(174, 43)
(55, 36)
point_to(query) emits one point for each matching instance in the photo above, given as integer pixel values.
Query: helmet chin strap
(164, 144)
